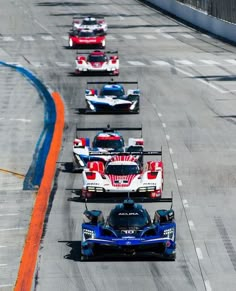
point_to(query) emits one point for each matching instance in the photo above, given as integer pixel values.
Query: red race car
(86, 38)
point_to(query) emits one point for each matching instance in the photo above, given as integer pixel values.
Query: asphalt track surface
(187, 80)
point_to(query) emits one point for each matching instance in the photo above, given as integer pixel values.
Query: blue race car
(129, 231)
(112, 98)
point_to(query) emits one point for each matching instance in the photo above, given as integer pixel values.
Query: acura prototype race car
(97, 62)
(129, 231)
(112, 97)
(89, 22)
(105, 141)
(86, 38)
(123, 173)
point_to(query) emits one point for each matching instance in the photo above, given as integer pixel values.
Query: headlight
(88, 234)
(91, 106)
(132, 107)
(169, 233)
(80, 161)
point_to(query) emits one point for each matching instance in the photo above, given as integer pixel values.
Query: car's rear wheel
(170, 257)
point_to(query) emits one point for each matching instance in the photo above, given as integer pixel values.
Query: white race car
(97, 62)
(124, 174)
(89, 22)
(113, 97)
(105, 141)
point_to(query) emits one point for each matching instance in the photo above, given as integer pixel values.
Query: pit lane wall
(201, 19)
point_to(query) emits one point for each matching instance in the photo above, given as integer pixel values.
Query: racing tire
(84, 258)
(170, 258)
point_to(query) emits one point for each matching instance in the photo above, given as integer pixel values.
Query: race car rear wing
(112, 82)
(117, 197)
(133, 153)
(109, 129)
(89, 52)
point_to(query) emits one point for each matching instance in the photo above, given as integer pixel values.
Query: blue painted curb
(35, 172)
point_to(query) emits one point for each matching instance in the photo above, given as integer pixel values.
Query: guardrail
(222, 9)
(198, 18)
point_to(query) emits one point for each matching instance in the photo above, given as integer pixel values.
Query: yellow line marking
(13, 173)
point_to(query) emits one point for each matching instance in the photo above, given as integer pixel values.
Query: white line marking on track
(209, 62)
(161, 63)
(159, 114)
(47, 37)
(3, 247)
(7, 38)
(168, 36)
(231, 61)
(3, 265)
(164, 125)
(110, 37)
(185, 203)
(136, 63)
(202, 81)
(167, 137)
(6, 285)
(171, 151)
(61, 64)
(191, 225)
(179, 183)
(37, 64)
(185, 62)
(175, 166)
(205, 35)
(199, 253)
(20, 119)
(9, 214)
(186, 35)
(207, 285)
(127, 36)
(65, 37)
(149, 36)
(10, 229)
(28, 38)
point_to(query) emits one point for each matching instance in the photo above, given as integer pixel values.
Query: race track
(187, 82)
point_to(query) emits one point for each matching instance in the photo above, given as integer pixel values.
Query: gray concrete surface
(21, 121)
(187, 80)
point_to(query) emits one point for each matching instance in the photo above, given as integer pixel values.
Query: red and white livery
(123, 174)
(86, 38)
(98, 62)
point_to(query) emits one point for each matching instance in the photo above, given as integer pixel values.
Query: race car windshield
(109, 143)
(94, 59)
(86, 33)
(122, 170)
(89, 22)
(112, 92)
(128, 220)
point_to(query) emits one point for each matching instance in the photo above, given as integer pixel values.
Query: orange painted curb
(32, 242)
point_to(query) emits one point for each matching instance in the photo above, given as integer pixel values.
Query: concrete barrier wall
(198, 18)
